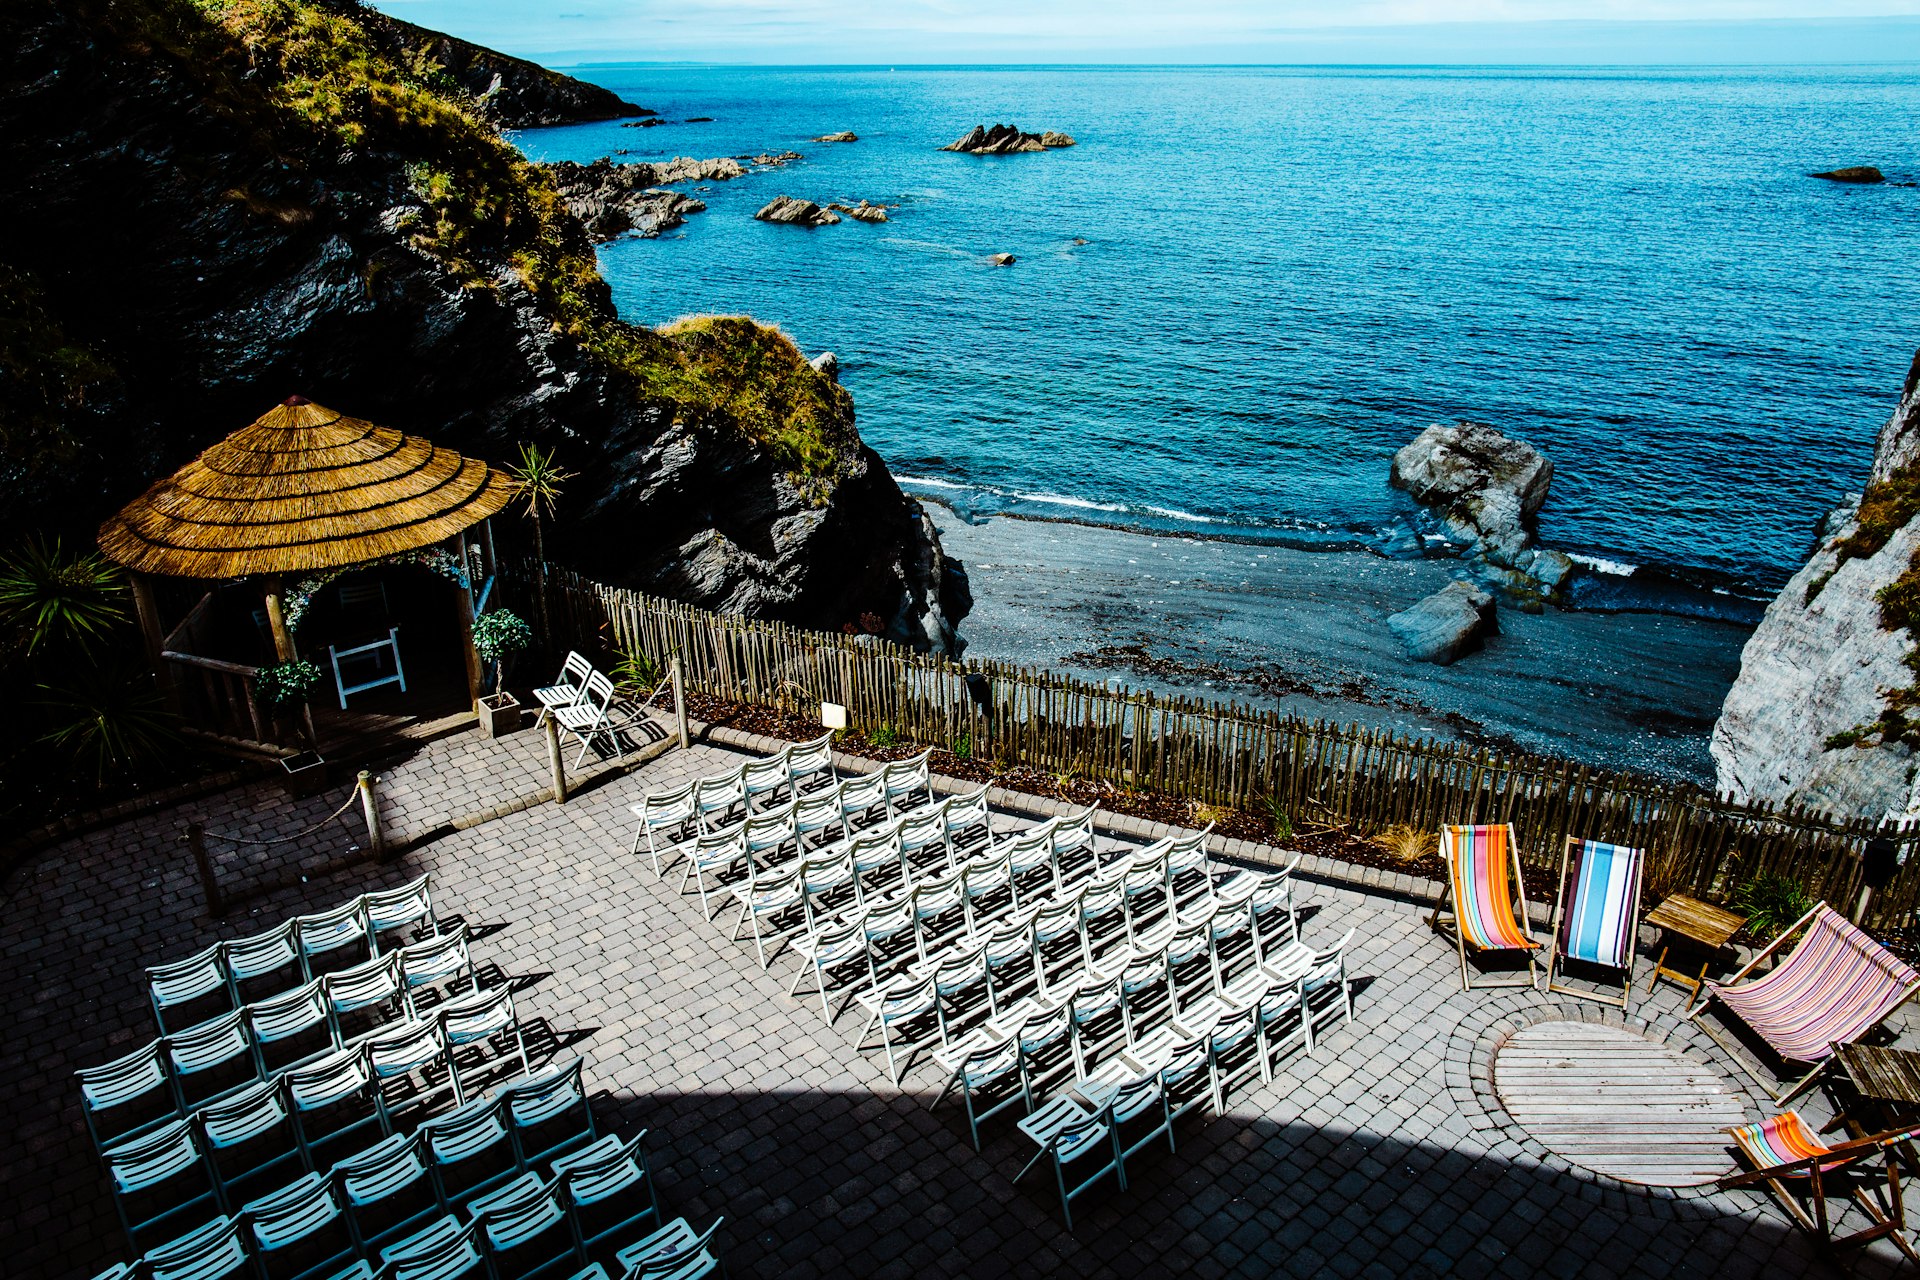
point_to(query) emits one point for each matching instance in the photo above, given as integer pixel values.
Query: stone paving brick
(1386, 1153)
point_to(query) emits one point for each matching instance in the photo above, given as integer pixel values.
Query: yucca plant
(48, 598)
(1771, 902)
(108, 719)
(537, 481)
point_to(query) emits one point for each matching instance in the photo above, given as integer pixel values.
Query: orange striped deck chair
(1787, 1158)
(1483, 888)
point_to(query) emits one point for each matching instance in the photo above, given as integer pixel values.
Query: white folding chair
(409, 906)
(832, 949)
(197, 977)
(527, 1216)
(587, 720)
(766, 898)
(663, 814)
(978, 1065)
(969, 824)
(567, 687)
(256, 1116)
(157, 1167)
(860, 797)
(444, 959)
(606, 1181)
(709, 855)
(1187, 856)
(140, 1081)
(903, 779)
(325, 932)
(334, 1098)
(301, 1013)
(674, 1252)
(273, 951)
(810, 765)
(715, 798)
(763, 780)
(217, 1043)
(375, 985)
(1067, 1135)
(480, 1018)
(908, 1007)
(289, 1220)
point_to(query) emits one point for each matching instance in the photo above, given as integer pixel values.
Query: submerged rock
(1862, 173)
(844, 136)
(1448, 624)
(1002, 259)
(865, 211)
(797, 213)
(1006, 139)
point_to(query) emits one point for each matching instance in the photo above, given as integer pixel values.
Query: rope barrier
(353, 793)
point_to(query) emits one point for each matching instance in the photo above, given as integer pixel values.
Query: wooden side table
(1705, 928)
(1886, 1088)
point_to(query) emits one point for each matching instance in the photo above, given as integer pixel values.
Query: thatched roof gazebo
(304, 490)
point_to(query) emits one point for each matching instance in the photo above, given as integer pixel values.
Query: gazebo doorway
(388, 641)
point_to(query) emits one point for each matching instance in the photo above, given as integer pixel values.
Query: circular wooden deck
(1617, 1103)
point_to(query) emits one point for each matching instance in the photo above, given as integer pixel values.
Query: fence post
(679, 699)
(370, 809)
(556, 768)
(197, 843)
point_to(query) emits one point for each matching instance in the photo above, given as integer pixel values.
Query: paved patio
(1384, 1155)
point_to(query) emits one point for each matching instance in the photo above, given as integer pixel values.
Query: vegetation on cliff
(309, 74)
(1886, 507)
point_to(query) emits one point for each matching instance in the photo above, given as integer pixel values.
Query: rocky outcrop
(1486, 489)
(1821, 714)
(509, 92)
(796, 213)
(1448, 624)
(865, 211)
(1002, 259)
(612, 200)
(405, 265)
(1006, 139)
(846, 136)
(1861, 173)
(773, 159)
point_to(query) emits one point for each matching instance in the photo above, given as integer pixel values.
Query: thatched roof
(304, 488)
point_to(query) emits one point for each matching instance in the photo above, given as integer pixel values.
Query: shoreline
(1304, 631)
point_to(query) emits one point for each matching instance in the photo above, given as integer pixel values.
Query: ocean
(1246, 287)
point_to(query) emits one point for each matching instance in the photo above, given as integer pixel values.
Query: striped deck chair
(1483, 879)
(1834, 987)
(1786, 1156)
(1596, 914)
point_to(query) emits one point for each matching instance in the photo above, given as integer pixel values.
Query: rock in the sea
(1002, 259)
(827, 364)
(1054, 138)
(650, 123)
(1005, 139)
(618, 199)
(865, 211)
(773, 159)
(699, 119)
(847, 135)
(1447, 624)
(797, 213)
(1398, 541)
(1486, 488)
(1863, 173)
(1808, 720)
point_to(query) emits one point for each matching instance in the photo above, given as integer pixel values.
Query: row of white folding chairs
(771, 849)
(1058, 853)
(179, 1167)
(1144, 955)
(1190, 1049)
(708, 803)
(160, 1071)
(292, 945)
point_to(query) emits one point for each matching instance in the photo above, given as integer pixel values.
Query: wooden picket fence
(1233, 755)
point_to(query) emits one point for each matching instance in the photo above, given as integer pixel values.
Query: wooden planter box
(306, 774)
(500, 714)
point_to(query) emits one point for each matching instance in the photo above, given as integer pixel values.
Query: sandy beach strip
(1305, 631)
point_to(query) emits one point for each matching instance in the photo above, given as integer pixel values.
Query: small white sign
(833, 715)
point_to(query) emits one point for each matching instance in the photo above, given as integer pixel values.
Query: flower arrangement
(300, 594)
(286, 684)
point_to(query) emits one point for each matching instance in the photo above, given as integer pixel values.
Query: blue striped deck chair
(1596, 916)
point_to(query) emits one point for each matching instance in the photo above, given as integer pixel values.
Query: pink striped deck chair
(1832, 988)
(1596, 914)
(1483, 883)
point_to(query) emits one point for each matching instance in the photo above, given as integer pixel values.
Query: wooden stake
(197, 844)
(370, 809)
(556, 768)
(679, 700)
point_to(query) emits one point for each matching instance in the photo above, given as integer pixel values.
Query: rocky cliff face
(210, 208)
(1821, 713)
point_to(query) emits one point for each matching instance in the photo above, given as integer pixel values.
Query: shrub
(109, 719)
(1405, 843)
(884, 736)
(50, 598)
(499, 635)
(1278, 819)
(962, 747)
(637, 672)
(1771, 902)
(286, 684)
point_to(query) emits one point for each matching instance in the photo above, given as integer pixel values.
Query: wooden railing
(1230, 754)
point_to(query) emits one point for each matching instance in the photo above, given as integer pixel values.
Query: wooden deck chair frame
(1442, 916)
(1556, 958)
(1741, 1055)
(1889, 1219)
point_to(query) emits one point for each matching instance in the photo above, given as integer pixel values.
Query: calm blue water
(1290, 272)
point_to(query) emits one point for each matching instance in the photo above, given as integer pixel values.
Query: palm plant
(48, 597)
(108, 719)
(537, 480)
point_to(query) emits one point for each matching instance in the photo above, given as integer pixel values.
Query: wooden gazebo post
(147, 610)
(276, 588)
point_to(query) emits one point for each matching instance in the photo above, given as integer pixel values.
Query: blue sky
(1285, 31)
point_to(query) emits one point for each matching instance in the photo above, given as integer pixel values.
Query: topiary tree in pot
(497, 636)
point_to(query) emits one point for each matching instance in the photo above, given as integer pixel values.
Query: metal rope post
(370, 806)
(555, 766)
(197, 844)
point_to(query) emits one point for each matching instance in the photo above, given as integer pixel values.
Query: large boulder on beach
(797, 213)
(1860, 173)
(1486, 488)
(1446, 625)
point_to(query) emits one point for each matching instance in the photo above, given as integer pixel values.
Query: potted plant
(496, 637)
(283, 689)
